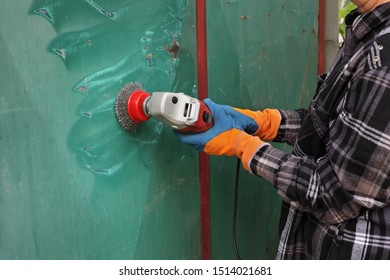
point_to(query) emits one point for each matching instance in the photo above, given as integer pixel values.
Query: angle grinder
(178, 111)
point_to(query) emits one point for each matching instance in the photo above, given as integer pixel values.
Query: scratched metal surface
(73, 184)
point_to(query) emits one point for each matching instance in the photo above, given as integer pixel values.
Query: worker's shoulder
(378, 52)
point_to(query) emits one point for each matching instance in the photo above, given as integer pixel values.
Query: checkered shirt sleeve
(355, 172)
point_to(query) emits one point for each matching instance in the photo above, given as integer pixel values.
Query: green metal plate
(74, 185)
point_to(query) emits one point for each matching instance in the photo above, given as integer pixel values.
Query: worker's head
(365, 6)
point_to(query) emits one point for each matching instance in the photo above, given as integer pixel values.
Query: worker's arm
(290, 125)
(355, 173)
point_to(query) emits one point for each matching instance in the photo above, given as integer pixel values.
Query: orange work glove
(227, 136)
(268, 122)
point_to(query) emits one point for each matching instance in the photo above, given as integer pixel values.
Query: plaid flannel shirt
(336, 202)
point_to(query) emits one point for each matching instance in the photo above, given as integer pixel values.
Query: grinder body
(176, 110)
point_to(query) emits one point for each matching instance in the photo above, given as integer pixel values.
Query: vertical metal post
(321, 36)
(204, 165)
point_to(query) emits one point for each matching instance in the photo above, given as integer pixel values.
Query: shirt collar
(362, 24)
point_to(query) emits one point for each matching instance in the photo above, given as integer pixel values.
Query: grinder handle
(205, 121)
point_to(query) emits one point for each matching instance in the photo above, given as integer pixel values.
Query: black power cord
(235, 210)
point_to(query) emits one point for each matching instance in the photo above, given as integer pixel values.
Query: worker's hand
(227, 136)
(267, 121)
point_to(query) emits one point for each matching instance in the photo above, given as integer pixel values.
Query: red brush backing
(135, 106)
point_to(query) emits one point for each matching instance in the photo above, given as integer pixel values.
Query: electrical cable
(235, 210)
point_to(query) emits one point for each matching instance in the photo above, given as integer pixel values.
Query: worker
(335, 185)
